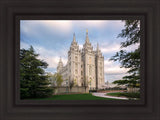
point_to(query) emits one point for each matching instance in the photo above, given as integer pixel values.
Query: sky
(51, 39)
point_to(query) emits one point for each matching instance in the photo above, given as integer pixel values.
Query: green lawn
(125, 94)
(74, 97)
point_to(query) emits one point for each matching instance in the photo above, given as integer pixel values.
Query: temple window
(76, 58)
(76, 71)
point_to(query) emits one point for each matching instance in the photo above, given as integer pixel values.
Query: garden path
(107, 96)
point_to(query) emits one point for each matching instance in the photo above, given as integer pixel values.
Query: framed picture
(79, 60)
(80, 66)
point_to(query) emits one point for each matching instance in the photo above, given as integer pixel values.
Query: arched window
(76, 65)
(76, 71)
(76, 58)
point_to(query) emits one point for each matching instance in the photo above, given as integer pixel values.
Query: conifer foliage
(33, 80)
(129, 59)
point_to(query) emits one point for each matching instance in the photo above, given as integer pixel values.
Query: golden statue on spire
(86, 30)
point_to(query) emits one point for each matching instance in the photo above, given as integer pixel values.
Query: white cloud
(115, 70)
(108, 63)
(111, 67)
(99, 24)
(117, 24)
(28, 27)
(63, 26)
(49, 56)
(95, 23)
(132, 47)
(80, 46)
(24, 45)
(110, 48)
(38, 27)
(113, 77)
(115, 47)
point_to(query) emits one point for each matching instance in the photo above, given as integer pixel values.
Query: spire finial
(87, 31)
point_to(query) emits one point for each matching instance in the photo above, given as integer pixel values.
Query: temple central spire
(87, 38)
(74, 38)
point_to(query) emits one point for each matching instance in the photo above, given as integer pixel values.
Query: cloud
(132, 47)
(48, 34)
(99, 24)
(111, 67)
(53, 61)
(94, 23)
(24, 45)
(116, 24)
(113, 77)
(80, 46)
(110, 48)
(50, 56)
(107, 48)
(62, 26)
(113, 71)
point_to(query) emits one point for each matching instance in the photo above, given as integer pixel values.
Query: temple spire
(74, 38)
(60, 65)
(97, 46)
(87, 38)
(60, 60)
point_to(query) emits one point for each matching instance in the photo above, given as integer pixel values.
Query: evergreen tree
(131, 59)
(33, 80)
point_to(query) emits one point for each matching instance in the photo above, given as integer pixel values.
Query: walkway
(107, 96)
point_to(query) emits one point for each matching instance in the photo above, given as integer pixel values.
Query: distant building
(84, 67)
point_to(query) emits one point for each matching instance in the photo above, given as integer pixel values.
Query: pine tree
(33, 80)
(130, 60)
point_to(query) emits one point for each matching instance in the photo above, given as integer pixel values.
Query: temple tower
(88, 57)
(99, 68)
(74, 63)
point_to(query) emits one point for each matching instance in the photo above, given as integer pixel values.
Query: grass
(74, 97)
(125, 94)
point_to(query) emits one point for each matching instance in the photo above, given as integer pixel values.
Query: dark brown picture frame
(12, 11)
